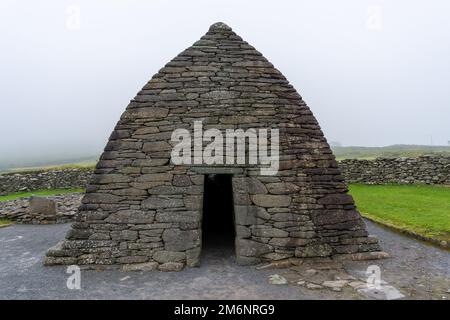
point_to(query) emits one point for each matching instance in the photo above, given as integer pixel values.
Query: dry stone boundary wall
(424, 169)
(42, 180)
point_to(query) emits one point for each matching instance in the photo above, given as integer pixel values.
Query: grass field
(76, 165)
(419, 209)
(50, 192)
(4, 222)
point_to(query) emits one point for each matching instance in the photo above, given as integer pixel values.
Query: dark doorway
(218, 212)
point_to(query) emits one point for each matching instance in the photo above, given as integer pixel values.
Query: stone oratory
(141, 211)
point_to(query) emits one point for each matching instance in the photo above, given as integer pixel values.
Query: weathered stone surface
(268, 232)
(242, 199)
(181, 180)
(110, 178)
(156, 146)
(193, 257)
(153, 177)
(179, 240)
(176, 190)
(47, 179)
(428, 169)
(335, 285)
(219, 95)
(154, 162)
(361, 256)
(288, 242)
(313, 286)
(275, 256)
(19, 210)
(320, 250)
(51, 261)
(193, 202)
(286, 216)
(178, 216)
(131, 259)
(132, 216)
(169, 256)
(336, 199)
(282, 188)
(146, 185)
(249, 215)
(243, 232)
(155, 202)
(78, 234)
(248, 185)
(147, 266)
(247, 261)
(268, 201)
(171, 266)
(333, 217)
(128, 235)
(146, 130)
(42, 206)
(277, 279)
(130, 192)
(303, 234)
(101, 198)
(250, 248)
(139, 113)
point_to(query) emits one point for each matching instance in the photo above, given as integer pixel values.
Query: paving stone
(277, 279)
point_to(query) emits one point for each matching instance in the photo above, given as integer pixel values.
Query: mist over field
(374, 73)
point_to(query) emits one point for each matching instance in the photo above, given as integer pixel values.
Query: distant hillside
(341, 153)
(29, 164)
(394, 151)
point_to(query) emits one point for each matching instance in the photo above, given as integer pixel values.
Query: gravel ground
(418, 270)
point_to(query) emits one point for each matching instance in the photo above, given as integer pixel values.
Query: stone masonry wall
(19, 210)
(41, 180)
(424, 169)
(143, 212)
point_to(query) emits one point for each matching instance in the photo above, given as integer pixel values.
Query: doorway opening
(218, 213)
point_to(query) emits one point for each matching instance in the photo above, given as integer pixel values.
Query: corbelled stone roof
(219, 69)
(142, 211)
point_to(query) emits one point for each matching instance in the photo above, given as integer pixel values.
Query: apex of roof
(219, 26)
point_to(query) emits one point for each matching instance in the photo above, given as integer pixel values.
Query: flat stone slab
(382, 293)
(42, 206)
(216, 170)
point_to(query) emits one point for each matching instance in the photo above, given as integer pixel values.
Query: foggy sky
(373, 72)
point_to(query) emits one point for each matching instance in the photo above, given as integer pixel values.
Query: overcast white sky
(373, 72)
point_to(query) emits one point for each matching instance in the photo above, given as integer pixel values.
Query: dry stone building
(143, 212)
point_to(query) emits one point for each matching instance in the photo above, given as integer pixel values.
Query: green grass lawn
(50, 192)
(4, 222)
(421, 209)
